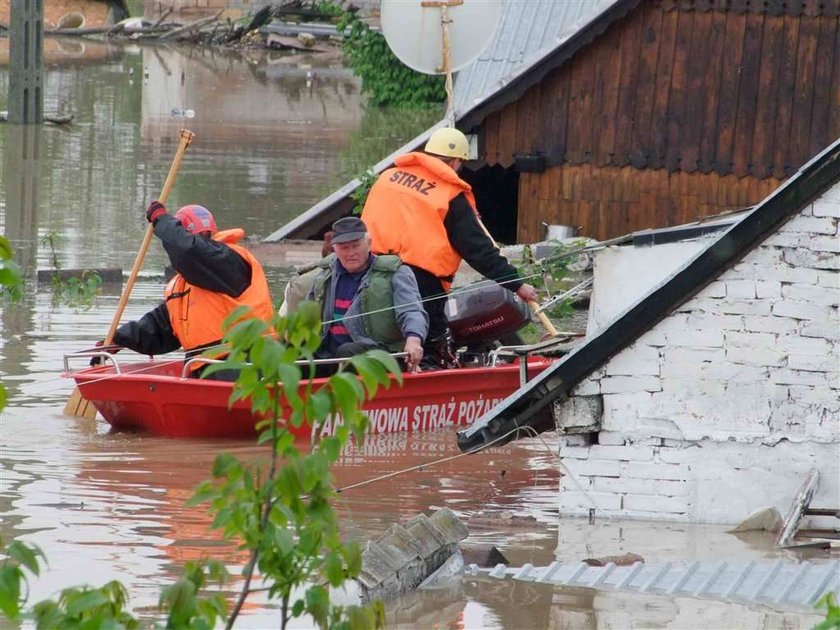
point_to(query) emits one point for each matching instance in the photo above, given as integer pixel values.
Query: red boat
(153, 396)
(157, 397)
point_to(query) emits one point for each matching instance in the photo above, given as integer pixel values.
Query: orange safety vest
(197, 314)
(405, 209)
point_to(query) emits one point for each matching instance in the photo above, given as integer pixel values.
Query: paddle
(535, 308)
(77, 405)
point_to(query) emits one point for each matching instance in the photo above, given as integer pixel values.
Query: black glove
(98, 360)
(155, 210)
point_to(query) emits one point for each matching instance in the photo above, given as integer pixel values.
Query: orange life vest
(405, 209)
(197, 314)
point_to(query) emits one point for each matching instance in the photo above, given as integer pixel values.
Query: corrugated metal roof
(779, 583)
(527, 32)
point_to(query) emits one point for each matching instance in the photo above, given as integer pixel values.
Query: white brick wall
(747, 372)
(707, 481)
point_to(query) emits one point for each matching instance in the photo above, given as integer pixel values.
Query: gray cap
(348, 229)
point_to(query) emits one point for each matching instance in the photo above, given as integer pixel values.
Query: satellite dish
(414, 31)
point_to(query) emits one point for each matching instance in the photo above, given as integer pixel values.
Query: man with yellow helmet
(423, 212)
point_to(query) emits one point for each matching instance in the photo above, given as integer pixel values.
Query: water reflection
(116, 500)
(273, 134)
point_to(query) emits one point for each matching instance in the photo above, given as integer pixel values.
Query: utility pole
(26, 39)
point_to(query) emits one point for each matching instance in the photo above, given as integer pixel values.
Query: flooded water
(273, 133)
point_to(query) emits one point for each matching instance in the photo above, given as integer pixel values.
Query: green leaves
(180, 601)
(832, 612)
(385, 78)
(20, 556)
(25, 555)
(11, 578)
(360, 195)
(281, 509)
(318, 604)
(87, 607)
(10, 282)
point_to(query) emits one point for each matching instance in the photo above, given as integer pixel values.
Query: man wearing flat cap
(367, 301)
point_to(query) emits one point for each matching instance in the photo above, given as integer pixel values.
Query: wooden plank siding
(712, 95)
(608, 202)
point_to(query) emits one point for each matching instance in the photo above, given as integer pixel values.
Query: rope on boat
(469, 288)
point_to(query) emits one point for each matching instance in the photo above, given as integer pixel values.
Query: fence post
(26, 36)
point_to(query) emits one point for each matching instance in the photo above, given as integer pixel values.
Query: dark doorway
(496, 194)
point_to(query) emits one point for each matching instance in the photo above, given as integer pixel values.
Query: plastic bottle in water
(177, 112)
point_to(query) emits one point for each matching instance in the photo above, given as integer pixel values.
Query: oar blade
(78, 406)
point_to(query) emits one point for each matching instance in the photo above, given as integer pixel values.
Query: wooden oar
(535, 308)
(77, 405)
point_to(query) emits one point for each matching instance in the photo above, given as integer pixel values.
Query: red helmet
(196, 219)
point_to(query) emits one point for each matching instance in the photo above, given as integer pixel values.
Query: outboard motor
(484, 316)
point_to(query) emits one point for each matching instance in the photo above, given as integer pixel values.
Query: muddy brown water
(274, 133)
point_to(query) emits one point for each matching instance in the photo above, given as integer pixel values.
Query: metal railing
(90, 354)
(523, 352)
(185, 371)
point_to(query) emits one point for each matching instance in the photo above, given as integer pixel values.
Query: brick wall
(723, 406)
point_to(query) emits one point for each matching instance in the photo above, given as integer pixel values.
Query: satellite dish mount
(440, 36)
(445, 21)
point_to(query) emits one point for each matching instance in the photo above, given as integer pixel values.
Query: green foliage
(360, 195)
(10, 283)
(180, 600)
(382, 129)
(87, 607)
(79, 607)
(281, 512)
(21, 558)
(548, 273)
(329, 8)
(384, 77)
(832, 613)
(78, 293)
(10, 277)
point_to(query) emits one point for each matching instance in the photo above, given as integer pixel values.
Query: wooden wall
(725, 87)
(608, 201)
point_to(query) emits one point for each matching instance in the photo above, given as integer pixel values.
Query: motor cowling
(483, 313)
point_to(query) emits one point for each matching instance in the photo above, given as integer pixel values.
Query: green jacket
(387, 306)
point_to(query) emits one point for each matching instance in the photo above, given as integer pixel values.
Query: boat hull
(151, 396)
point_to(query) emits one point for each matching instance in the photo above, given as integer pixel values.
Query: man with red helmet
(215, 275)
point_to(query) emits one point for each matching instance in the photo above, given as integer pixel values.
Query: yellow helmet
(448, 142)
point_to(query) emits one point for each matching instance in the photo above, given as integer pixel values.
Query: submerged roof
(530, 406)
(529, 32)
(780, 583)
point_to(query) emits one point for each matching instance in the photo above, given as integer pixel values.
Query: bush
(385, 78)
